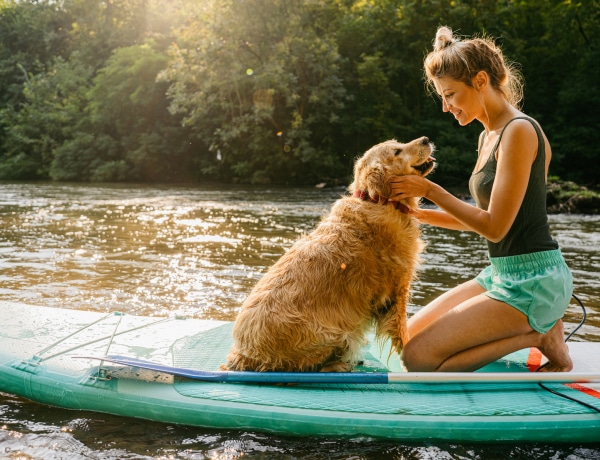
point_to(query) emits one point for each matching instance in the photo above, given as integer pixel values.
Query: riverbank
(570, 198)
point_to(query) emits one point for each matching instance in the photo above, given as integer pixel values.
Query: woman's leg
(553, 346)
(441, 305)
(454, 335)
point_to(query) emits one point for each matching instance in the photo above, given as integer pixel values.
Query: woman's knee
(415, 358)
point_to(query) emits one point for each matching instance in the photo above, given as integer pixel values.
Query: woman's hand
(409, 187)
(416, 187)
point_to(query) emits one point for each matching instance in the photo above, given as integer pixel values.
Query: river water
(197, 251)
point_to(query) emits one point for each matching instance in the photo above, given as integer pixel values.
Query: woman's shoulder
(523, 121)
(524, 137)
(521, 128)
(521, 135)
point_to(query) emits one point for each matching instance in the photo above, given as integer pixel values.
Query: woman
(519, 300)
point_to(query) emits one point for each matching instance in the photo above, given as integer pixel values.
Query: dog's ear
(370, 176)
(376, 182)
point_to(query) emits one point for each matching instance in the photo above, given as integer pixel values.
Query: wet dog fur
(312, 309)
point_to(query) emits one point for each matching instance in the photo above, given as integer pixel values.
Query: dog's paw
(338, 366)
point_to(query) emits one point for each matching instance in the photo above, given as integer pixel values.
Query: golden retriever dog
(312, 309)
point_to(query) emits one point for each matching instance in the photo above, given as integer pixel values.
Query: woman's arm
(438, 218)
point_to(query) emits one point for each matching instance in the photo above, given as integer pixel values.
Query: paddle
(354, 377)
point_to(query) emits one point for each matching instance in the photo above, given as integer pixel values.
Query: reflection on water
(198, 251)
(143, 250)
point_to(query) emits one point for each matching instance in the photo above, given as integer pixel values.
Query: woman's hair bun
(443, 38)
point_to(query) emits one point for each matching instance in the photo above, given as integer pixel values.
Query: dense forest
(271, 91)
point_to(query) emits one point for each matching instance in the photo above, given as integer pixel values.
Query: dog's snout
(425, 141)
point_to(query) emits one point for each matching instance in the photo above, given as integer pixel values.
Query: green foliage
(127, 104)
(32, 35)
(568, 197)
(573, 121)
(271, 91)
(83, 157)
(52, 107)
(257, 92)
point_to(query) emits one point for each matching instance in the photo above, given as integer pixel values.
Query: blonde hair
(462, 60)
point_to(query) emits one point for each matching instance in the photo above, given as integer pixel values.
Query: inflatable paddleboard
(157, 368)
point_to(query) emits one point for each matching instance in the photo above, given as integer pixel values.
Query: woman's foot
(553, 346)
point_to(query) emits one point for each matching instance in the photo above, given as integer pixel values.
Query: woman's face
(459, 99)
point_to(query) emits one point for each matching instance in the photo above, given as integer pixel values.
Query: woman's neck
(497, 111)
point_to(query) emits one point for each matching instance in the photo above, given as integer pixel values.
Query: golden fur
(312, 309)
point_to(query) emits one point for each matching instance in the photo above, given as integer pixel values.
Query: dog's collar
(364, 195)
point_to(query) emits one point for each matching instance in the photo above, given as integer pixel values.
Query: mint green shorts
(540, 285)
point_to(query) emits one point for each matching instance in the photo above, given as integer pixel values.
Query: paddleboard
(61, 358)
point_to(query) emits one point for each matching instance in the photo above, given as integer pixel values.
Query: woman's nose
(445, 106)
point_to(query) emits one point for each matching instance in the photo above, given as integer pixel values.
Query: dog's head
(372, 172)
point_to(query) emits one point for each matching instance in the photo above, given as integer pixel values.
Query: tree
(270, 90)
(570, 96)
(127, 104)
(54, 102)
(127, 132)
(33, 35)
(99, 27)
(260, 87)
(63, 125)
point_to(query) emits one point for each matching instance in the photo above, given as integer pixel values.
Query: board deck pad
(207, 350)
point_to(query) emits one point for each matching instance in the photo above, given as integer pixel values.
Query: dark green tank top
(530, 231)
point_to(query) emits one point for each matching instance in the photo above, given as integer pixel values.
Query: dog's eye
(397, 152)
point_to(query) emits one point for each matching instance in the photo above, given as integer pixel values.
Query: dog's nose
(425, 141)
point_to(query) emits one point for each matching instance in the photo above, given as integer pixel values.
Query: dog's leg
(234, 361)
(400, 310)
(392, 323)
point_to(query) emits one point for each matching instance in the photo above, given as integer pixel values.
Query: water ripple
(198, 251)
